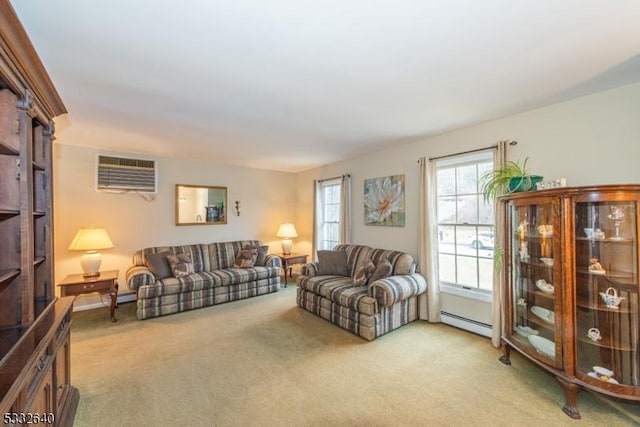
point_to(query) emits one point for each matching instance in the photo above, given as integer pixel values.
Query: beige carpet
(265, 362)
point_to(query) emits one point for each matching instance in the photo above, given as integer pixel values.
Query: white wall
(589, 140)
(266, 200)
(594, 139)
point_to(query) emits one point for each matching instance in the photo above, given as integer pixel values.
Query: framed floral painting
(384, 201)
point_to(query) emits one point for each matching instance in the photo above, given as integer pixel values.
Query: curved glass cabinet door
(606, 286)
(535, 272)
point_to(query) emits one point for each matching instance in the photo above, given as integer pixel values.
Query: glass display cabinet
(571, 295)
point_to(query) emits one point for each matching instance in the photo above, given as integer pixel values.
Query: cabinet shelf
(39, 260)
(8, 213)
(603, 308)
(606, 343)
(604, 241)
(38, 166)
(8, 274)
(8, 150)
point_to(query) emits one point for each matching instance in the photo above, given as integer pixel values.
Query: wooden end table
(289, 260)
(105, 284)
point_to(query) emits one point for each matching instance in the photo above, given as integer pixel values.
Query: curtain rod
(469, 151)
(335, 177)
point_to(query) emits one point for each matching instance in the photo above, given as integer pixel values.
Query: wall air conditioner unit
(120, 174)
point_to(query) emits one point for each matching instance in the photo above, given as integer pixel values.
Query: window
(328, 214)
(465, 222)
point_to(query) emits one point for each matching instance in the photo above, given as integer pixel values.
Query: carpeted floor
(265, 362)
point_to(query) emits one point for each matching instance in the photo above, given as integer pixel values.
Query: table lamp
(287, 232)
(91, 240)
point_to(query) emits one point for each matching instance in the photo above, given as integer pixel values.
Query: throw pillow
(363, 273)
(180, 264)
(158, 265)
(246, 258)
(332, 263)
(262, 253)
(383, 269)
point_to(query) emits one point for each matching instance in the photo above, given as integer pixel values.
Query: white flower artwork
(384, 201)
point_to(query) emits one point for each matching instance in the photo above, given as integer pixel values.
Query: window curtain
(499, 159)
(317, 188)
(429, 303)
(345, 209)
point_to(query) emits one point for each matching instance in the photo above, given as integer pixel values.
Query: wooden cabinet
(571, 298)
(34, 324)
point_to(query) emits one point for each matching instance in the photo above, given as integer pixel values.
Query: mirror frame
(180, 199)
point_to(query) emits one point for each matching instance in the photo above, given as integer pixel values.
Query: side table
(289, 260)
(105, 284)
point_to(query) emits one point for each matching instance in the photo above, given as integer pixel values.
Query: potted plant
(510, 178)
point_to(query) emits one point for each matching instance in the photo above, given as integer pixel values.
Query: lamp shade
(91, 239)
(287, 231)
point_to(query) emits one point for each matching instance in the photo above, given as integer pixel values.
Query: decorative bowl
(525, 331)
(545, 230)
(547, 261)
(543, 313)
(603, 374)
(603, 371)
(545, 287)
(543, 345)
(603, 378)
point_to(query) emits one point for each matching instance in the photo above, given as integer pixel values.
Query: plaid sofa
(367, 311)
(214, 281)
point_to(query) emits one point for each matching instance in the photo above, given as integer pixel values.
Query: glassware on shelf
(616, 216)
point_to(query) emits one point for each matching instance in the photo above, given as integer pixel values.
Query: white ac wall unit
(114, 173)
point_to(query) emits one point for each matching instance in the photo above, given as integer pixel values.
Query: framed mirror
(200, 205)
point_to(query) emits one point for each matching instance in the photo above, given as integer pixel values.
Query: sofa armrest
(309, 269)
(139, 275)
(393, 289)
(271, 260)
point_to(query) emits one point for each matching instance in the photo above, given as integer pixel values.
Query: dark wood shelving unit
(35, 356)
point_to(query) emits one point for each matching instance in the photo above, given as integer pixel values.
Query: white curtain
(427, 256)
(500, 157)
(317, 201)
(345, 209)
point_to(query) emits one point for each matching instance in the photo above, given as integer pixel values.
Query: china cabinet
(571, 296)
(34, 325)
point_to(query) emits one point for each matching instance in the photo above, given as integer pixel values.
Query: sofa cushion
(246, 258)
(180, 264)
(262, 253)
(363, 273)
(341, 291)
(382, 270)
(158, 264)
(357, 256)
(332, 263)
(401, 262)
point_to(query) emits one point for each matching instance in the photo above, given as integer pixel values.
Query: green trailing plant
(512, 176)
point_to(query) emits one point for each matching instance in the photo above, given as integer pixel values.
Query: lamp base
(90, 263)
(287, 244)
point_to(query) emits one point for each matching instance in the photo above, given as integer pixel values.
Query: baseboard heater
(466, 324)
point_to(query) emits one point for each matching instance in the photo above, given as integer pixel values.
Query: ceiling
(294, 84)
